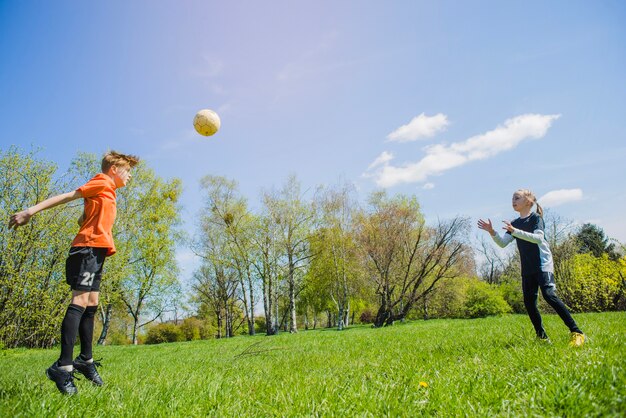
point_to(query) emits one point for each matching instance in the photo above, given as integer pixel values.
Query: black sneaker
(88, 370)
(64, 380)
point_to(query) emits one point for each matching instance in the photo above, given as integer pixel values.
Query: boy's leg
(530, 288)
(80, 271)
(84, 363)
(69, 329)
(85, 329)
(548, 290)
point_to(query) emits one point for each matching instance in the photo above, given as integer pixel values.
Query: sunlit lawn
(482, 367)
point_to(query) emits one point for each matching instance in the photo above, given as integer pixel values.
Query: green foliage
(488, 367)
(484, 300)
(260, 324)
(146, 233)
(118, 337)
(448, 298)
(165, 332)
(591, 239)
(33, 293)
(512, 293)
(468, 297)
(595, 283)
(190, 328)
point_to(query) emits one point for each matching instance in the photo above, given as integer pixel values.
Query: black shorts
(83, 268)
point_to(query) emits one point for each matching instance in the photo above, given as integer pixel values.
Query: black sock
(69, 329)
(85, 330)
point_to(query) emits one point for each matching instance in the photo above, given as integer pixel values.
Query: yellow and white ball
(206, 122)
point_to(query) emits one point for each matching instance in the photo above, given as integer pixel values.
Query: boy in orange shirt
(83, 268)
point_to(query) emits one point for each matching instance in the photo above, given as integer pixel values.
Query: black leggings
(530, 286)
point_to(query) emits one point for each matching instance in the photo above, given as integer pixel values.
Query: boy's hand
(19, 219)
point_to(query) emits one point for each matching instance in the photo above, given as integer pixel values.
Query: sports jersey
(535, 255)
(100, 210)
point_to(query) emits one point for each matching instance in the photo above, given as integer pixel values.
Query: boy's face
(121, 175)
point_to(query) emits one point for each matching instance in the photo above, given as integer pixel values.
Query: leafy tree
(33, 292)
(216, 281)
(336, 265)
(591, 239)
(404, 257)
(293, 217)
(148, 233)
(264, 255)
(228, 213)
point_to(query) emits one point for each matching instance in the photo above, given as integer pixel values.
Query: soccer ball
(206, 122)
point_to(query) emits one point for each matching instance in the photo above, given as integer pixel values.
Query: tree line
(302, 260)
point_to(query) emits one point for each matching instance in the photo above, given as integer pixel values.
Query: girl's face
(521, 203)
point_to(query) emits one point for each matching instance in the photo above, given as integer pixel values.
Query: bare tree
(405, 257)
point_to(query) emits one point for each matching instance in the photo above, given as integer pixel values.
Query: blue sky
(458, 103)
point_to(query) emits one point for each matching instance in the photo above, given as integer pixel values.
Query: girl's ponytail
(539, 209)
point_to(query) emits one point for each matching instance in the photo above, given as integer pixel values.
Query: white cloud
(383, 158)
(421, 126)
(440, 158)
(559, 197)
(428, 186)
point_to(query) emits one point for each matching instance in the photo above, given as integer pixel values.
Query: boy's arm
(22, 218)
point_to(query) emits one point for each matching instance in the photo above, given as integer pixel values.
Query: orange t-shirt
(100, 211)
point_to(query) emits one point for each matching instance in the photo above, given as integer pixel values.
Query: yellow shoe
(576, 339)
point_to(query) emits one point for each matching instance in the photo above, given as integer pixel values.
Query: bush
(164, 333)
(190, 328)
(448, 298)
(512, 293)
(117, 337)
(484, 300)
(367, 316)
(259, 324)
(594, 283)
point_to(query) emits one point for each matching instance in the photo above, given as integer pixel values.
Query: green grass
(484, 367)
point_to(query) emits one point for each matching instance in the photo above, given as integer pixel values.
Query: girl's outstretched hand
(507, 226)
(486, 226)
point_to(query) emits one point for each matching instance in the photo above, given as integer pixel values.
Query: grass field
(482, 367)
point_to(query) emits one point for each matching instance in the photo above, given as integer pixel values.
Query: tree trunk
(245, 301)
(106, 322)
(306, 319)
(340, 313)
(218, 313)
(293, 327)
(135, 320)
(251, 330)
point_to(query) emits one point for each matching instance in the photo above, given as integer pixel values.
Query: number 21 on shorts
(87, 279)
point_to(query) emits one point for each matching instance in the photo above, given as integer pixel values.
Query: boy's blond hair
(113, 158)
